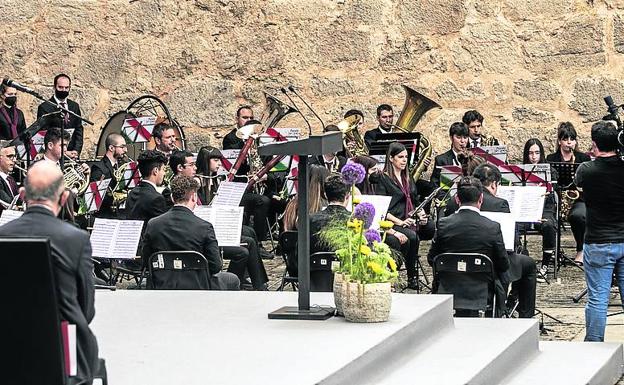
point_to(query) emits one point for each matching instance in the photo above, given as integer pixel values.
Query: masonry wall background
(525, 64)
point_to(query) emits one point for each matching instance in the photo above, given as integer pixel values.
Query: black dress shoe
(265, 254)
(412, 283)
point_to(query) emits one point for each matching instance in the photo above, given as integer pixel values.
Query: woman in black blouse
(567, 153)
(397, 183)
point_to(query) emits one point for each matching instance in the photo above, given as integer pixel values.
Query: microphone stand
(292, 89)
(298, 110)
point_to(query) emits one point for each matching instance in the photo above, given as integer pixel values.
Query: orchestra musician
(474, 120)
(256, 205)
(116, 150)
(8, 186)
(397, 183)
(12, 122)
(385, 117)
(534, 154)
(144, 201)
(164, 137)
(458, 134)
(52, 145)
(62, 87)
(567, 152)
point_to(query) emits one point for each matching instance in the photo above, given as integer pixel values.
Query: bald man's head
(44, 182)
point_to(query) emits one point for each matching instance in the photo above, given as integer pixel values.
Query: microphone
(292, 89)
(11, 83)
(298, 110)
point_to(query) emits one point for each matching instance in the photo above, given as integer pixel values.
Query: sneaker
(541, 274)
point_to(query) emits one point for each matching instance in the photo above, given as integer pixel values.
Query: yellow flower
(392, 263)
(375, 267)
(386, 224)
(365, 250)
(356, 200)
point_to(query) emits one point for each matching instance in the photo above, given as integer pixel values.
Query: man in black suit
(467, 231)
(458, 133)
(522, 271)
(164, 137)
(182, 162)
(116, 150)
(62, 86)
(52, 145)
(12, 122)
(180, 229)
(337, 193)
(71, 258)
(8, 186)
(144, 201)
(385, 117)
(474, 121)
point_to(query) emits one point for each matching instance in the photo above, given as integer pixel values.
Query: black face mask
(61, 95)
(10, 100)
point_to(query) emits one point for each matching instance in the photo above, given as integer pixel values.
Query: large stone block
(203, 103)
(449, 91)
(536, 90)
(577, 42)
(426, 17)
(588, 96)
(523, 115)
(489, 47)
(536, 9)
(618, 32)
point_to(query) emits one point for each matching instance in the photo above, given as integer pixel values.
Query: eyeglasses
(10, 156)
(191, 164)
(121, 146)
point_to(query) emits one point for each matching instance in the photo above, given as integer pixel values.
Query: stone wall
(525, 64)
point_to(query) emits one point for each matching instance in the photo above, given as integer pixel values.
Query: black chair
(178, 270)
(321, 275)
(470, 277)
(288, 245)
(33, 335)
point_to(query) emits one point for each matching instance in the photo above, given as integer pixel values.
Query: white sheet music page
(102, 237)
(507, 224)
(229, 194)
(9, 215)
(227, 222)
(526, 203)
(113, 238)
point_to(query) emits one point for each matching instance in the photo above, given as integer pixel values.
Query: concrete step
(570, 363)
(474, 351)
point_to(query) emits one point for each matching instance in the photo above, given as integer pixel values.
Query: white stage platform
(184, 337)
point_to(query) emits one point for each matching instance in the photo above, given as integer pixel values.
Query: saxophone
(568, 197)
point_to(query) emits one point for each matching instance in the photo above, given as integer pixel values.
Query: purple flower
(365, 212)
(353, 173)
(371, 236)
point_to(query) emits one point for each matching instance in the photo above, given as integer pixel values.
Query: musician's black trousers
(409, 249)
(257, 205)
(523, 284)
(577, 222)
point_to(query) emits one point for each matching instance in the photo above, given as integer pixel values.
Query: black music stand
(565, 179)
(411, 141)
(313, 145)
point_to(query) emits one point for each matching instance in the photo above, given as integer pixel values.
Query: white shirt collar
(60, 101)
(57, 162)
(385, 131)
(4, 176)
(471, 208)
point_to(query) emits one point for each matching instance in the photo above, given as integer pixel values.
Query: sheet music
(100, 187)
(229, 194)
(541, 170)
(381, 204)
(114, 238)
(9, 215)
(507, 224)
(229, 158)
(226, 220)
(499, 151)
(526, 203)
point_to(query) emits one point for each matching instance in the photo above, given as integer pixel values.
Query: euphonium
(351, 138)
(415, 107)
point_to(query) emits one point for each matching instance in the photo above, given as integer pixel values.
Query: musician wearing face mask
(567, 152)
(458, 134)
(12, 122)
(62, 87)
(397, 183)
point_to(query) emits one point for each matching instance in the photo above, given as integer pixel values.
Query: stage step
(570, 363)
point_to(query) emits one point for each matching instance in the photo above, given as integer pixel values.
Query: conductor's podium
(208, 337)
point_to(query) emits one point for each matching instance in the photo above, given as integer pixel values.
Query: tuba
(415, 107)
(351, 138)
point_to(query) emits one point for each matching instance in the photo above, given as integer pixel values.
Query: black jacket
(145, 203)
(103, 169)
(386, 186)
(180, 229)
(320, 161)
(445, 159)
(5, 126)
(318, 221)
(56, 120)
(490, 203)
(73, 274)
(371, 136)
(6, 195)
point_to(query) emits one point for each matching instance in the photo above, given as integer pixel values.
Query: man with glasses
(8, 187)
(116, 150)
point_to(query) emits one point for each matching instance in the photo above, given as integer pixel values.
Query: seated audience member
(171, 232)
(144, 201)
(71, 258)
(467, 231)
(337, 193)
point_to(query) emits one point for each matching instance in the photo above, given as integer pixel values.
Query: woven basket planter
(369, 302)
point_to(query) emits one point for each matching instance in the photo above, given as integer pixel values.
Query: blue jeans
(599, 261)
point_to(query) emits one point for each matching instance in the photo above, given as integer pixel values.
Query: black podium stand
(311, 146)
